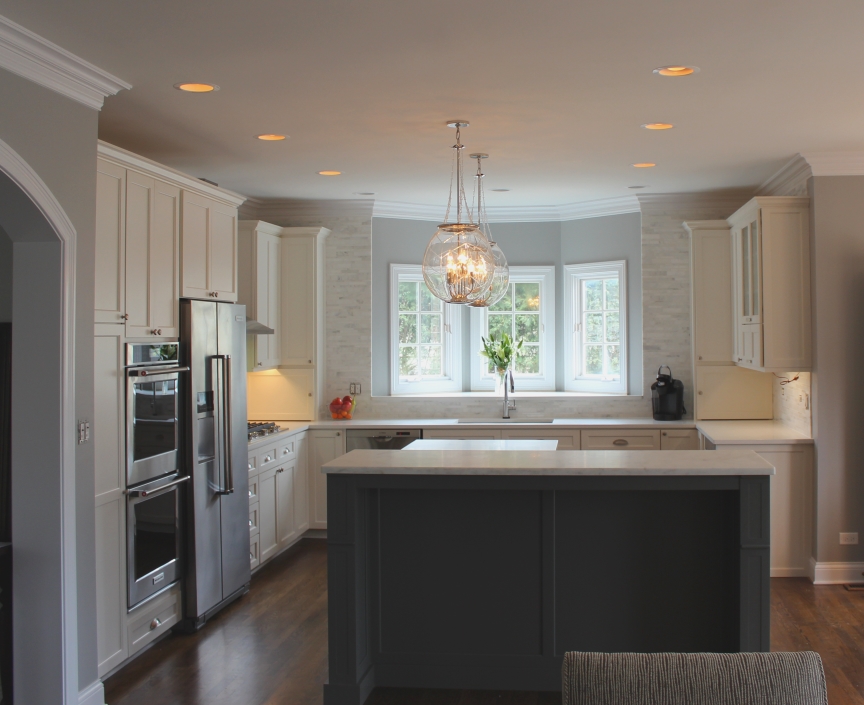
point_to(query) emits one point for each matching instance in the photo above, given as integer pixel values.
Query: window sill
(515, 395)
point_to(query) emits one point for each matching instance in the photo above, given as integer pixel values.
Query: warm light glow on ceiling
(643, 165)
(196, 87)
(676, 70)
(330, 173)
(271, 138)
(658, 126)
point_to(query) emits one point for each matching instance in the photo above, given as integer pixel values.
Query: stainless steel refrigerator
(213, 345)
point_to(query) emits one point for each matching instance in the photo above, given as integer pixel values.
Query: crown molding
(515, 214)
(725, 201)
(127, 159)
(283, 211)
(791, 177)
(28, 55)
(835, 163)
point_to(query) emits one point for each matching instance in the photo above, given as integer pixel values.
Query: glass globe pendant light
(459, 266)
(501, 277)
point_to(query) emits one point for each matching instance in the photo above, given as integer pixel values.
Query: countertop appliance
(154, 469)
(385, 439)
(213, 343)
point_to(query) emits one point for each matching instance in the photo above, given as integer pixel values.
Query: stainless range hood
(255, 328)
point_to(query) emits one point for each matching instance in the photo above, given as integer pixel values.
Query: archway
(43, 435)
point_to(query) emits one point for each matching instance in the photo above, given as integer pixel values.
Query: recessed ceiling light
(196, 87)
(658, 126)
(364, 193)
(637, 187)
(500, 190)
(330, 173)
(643, 165)
(676, 70)
(271, 138)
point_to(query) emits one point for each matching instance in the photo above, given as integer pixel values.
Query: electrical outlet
(850, 538)
(354, 388)
(83, 431)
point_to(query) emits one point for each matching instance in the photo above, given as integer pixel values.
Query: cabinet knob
(155, 623)
(250, 493)
(251, 557)
(310, 394)
(620, 442)
(250, 522)
(156, 331)
(700, 357)
(250, 466)
(700, 394)
(260, 364)
(665, 434)
(338, 433)
(310, 362)
(124, 316)
(267, 458)
(739, 359)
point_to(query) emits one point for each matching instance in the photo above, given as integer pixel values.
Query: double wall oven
(154, 465)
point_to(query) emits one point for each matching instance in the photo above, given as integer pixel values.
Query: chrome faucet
(508, 404)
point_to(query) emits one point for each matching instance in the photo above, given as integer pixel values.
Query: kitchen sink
(499, 420)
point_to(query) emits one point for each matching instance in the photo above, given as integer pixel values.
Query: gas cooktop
(259, 429)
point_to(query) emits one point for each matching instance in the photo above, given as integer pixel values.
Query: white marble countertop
(751, 433)
(476, 444)
(566, 462)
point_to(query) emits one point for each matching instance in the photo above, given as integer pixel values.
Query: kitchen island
(479, 569)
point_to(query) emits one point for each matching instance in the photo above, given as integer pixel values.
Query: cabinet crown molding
(790, 177)
(32, 57)
(691, 225)
(130, 160)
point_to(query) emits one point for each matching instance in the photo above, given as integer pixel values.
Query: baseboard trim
(835, 573)
(93, 694)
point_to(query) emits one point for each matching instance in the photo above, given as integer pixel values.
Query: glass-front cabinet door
(749, 251)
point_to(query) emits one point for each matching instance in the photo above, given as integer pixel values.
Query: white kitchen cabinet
(152, 257)
(567, 440)
(108, 439)
(301, 484)
(208, 261)
(679, 439)
(259, 281)
(153, 618)
(286, 529)
(624, 439)
(324, 446)
(771, 274)
(462, 434)
(268, 536)
(110, 265)
(303, 295)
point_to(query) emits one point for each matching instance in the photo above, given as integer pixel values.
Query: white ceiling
(555, 90)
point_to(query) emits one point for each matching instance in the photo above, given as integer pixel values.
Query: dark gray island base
(467, 579)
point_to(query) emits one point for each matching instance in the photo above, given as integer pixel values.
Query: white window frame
(451, 355)
(481, 380)
(574, 274)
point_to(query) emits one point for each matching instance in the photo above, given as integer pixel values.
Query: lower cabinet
(278, 497)
(324, 446)
(567, 440)
(625, 439)
(153, 618)
(679, 439)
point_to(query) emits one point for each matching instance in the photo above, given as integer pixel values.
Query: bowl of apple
(342, 408)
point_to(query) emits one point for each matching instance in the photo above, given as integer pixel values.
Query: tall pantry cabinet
(152, 223)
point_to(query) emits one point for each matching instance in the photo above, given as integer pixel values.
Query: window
(595, 299)
(424, 336)
(527, 311)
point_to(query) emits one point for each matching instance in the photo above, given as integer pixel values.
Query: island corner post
(485, 581)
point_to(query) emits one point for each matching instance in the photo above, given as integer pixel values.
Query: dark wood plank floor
(271, 646)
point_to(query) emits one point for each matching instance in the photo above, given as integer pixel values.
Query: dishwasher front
(380, 439)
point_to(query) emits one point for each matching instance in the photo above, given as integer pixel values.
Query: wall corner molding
(790, 178)
(30, 56)
(835, 163)
(93, 694)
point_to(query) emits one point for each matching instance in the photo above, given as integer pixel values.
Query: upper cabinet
(303, 296)
(771, 276)
(260, 275)
(711, 280)
(160, 235)
(209, 249)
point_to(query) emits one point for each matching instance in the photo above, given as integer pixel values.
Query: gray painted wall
(57, 138)
(837, 273)
(396, 241)
(5, 277)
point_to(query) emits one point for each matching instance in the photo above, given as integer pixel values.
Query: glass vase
(500, 380)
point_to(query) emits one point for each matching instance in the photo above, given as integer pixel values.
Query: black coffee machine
(667, 396)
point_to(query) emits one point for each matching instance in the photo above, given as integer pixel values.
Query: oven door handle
(155, 371)
(147, 493)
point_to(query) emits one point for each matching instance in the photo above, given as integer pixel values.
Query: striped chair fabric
(795, 678)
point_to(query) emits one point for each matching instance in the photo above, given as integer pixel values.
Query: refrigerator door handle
(224, 422)
(218, 423)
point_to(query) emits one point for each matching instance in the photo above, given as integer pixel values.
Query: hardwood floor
(271, 646)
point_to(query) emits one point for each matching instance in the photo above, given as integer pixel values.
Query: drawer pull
(250, 522)
(156, 623)
(620, 442)
(267, 458)
(250, 466)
